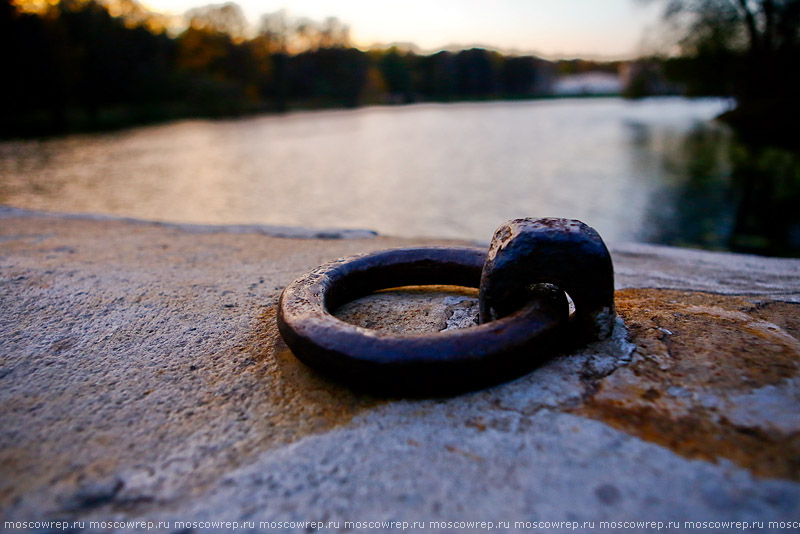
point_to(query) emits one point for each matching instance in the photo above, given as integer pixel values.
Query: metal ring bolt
(522, 321)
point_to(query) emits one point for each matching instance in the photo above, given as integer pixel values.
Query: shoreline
(640, 264)
(131, 123)
(281, 231)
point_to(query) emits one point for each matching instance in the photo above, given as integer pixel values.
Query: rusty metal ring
(439, 362)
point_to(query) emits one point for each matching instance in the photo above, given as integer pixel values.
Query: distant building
(588, 83)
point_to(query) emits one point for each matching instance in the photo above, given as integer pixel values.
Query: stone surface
(416, 309)
(142, 377)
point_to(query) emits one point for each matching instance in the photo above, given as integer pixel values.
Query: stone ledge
(291, 232)
(142, 376)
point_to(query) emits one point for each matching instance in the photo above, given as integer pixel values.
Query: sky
(610, 29)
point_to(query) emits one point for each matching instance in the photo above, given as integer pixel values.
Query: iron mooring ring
(523, 321)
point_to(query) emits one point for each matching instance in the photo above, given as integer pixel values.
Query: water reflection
(694, 204)
(653, 171)
(718, 193)
(767, 218)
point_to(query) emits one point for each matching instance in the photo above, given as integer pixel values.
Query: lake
(655, 170)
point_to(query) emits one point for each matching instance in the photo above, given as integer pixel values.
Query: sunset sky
(553, 28)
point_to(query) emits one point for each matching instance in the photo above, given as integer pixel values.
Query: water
(442, 170)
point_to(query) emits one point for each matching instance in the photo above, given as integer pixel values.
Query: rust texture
(563, 252)
(710, 379)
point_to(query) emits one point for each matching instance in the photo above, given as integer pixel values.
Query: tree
(477, 73)
(519, 76)
(755, 44)
(334, 33)
(273, 32)
(761, 27)
(396, 72)
(226, 18)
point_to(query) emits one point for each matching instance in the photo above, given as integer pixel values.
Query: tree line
(83, 64)
(90, 63)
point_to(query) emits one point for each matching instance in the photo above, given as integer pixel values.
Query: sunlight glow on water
(439, 170)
